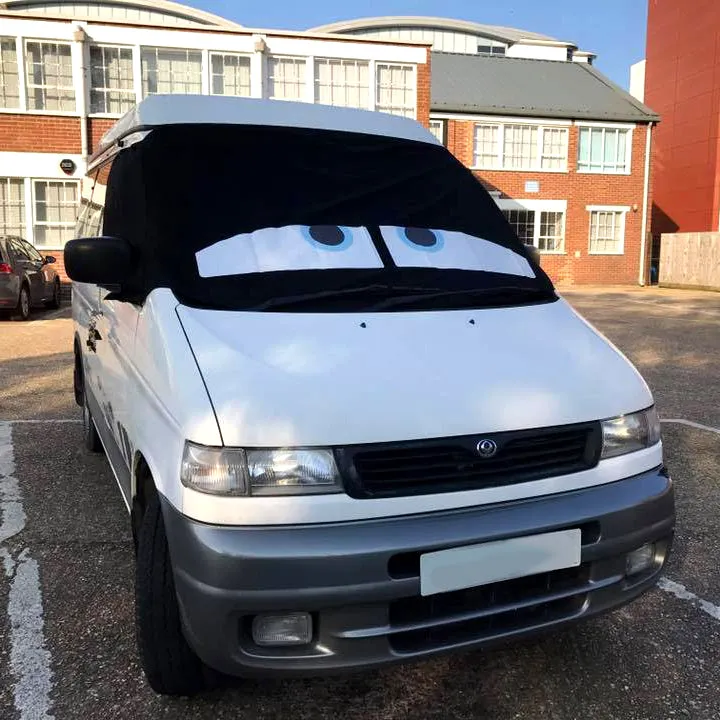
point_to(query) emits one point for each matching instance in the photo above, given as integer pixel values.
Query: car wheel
(55, 300)
(92, 439)
(23, 306)
(170, 665)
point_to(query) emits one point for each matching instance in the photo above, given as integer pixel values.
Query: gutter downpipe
(646, 193)
(80, 37)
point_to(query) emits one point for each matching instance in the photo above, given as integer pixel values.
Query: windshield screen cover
(232, 216)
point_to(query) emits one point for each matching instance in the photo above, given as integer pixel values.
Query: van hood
(296, 379)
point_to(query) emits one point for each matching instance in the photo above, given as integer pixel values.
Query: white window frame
(26, 84)
(186, 50)
(19, 67)
(35, 222)
(440, 125)
(541, 126)
(375, 89)
(538, 207)
(607, 126)
(131, 92)
(209, 71)
(305, 85)
(6, 180)
(621, 210)
(344, 62)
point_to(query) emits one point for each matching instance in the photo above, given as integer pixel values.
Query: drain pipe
(80, 37)
(646, 194)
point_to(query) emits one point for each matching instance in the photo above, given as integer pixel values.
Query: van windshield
(270, 218)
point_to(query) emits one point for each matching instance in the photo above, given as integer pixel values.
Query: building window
(395, 89)
(342, 82)
(604, 150)
(545, 229)
(491, 49)
(55, 212)
(437, 128)
(112, 89)
(286, 78)
(552, 232)
(523, 223)
(520, 147)
(229, 74)
(486, 146)
(166, 70)
(49, 76)
(607, 231)
(12, 206)
(9, 80)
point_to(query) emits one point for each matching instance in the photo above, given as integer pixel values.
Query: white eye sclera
(293, 247)
(449, 249)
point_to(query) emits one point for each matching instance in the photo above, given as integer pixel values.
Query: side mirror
(534, 253)
(99, 260)
(48, 260)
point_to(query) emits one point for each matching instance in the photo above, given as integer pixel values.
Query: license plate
(475, 565)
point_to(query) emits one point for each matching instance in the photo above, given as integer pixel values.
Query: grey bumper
(361, 580)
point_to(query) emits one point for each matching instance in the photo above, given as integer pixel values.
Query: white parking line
(29, 660)
(53, 421)
(690, 423)
(680, 591)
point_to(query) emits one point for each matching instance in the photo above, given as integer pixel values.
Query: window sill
(626, 173)
(553, 253)
(105, 116)
(515, 170)
(60, 113)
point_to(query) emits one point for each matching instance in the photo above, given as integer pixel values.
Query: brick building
(565, 152)
(69, 70)
(682, 81)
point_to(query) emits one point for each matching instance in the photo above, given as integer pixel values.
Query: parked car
(351, 419)
(27, 279)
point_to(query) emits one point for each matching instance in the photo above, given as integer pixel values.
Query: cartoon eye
(330, 235)
(421, 237)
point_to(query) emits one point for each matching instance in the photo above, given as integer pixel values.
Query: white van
(351, 420)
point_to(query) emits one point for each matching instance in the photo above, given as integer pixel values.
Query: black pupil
(327, 234)
(421, 236)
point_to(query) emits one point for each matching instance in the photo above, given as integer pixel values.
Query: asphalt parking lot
(67, 647)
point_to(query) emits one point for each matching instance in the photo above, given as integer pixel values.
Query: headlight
(628, 433)
(233, 471)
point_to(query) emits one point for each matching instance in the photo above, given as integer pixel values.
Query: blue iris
(328, 237)
(421, 239)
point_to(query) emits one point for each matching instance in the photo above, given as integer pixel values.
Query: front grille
(425, 623)
(453, 464)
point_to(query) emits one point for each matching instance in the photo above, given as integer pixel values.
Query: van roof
(158, 110)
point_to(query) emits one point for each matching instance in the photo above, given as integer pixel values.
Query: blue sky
(614, 29)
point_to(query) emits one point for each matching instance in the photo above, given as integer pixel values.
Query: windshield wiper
(476, 297)
(371, 291)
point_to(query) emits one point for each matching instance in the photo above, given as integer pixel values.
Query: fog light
(640, 559)
(282, 630)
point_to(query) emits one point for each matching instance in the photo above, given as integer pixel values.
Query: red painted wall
(682, 84)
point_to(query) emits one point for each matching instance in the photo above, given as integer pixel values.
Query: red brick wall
(682, 84)
(39, 133)
(97, 128)
(423, 91)
(580, 190)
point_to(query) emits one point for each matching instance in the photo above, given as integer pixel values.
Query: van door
(115, 328)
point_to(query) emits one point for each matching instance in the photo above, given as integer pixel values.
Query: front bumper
(361, 580)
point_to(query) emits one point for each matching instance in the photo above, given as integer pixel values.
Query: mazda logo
(486, 448)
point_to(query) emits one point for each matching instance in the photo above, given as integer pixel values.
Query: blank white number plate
(474, 565)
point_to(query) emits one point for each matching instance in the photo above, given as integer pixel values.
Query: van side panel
(168, 400)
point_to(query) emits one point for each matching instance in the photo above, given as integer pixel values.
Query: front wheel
(90, 433)
(23, 306)
(55, 300)
(170, 665)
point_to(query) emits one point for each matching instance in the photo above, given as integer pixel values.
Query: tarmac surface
(67, 642)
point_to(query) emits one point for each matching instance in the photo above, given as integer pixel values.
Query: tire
(55, 300)
(23, 306)
(169, 664)
(90, 433)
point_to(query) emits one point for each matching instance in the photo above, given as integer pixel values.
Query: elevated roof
(489, 85)
(104, 9)
(158, 110)
(495, 32)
